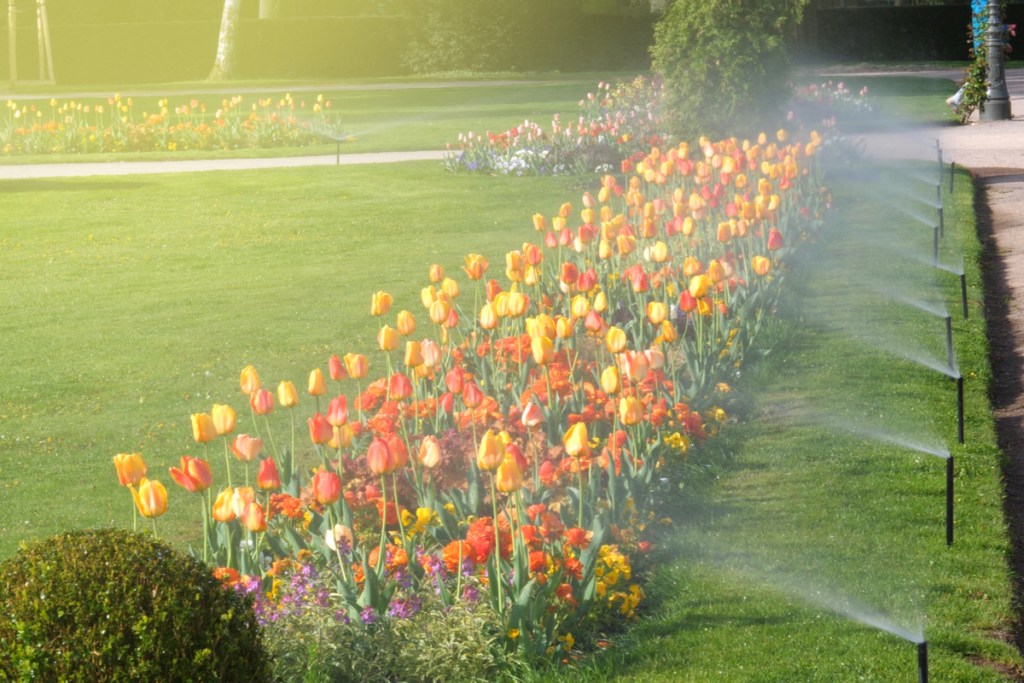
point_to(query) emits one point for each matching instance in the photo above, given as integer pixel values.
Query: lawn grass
(132, 303)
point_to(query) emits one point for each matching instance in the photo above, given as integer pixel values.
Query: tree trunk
(269, 9)
(224, 66)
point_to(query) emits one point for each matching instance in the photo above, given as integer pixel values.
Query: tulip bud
(326, 487)
(222, 510)
(406, 323)
(387, 338)
(509, 477)
(253, 518)
(413, 354)
(576, 440)
(336, 368)
(532, 416)
(249, 381)
(631, 411)
(490, 452)
(203, 429)
(611, 383)
(131, 468)
(150, 498)
(268, 478)
(356, 364)
(615, 340)
(380, 303)
(337, 411)
(317, 385)
(430, 452)
(262, 402)
(320, 429)
(378, 457)
(287, 395)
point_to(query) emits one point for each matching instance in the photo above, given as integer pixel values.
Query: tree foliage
(725, 63)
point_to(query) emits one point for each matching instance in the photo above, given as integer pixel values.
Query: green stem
(497, 546)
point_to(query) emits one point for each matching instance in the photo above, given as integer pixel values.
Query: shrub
(110, 605)
(724, 64)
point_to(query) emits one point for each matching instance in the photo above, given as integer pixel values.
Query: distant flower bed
(118, 126)
(613, 123)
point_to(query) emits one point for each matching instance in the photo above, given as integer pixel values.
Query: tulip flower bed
(74, 128)
(614, 123)
(512, 445)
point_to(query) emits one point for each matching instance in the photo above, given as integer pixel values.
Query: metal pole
(949, 500)
(922, 662)
(50, 77)
(963, 292)
(960, 408)
(997, 108)
(12, 40)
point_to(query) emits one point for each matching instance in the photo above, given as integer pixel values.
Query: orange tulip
(222, 511)
(509, 477)
(657, 312)
(337, 411)
(203, 429)
(194, 474)
(476, 266)
(406, 323)
(262, 402)
(131, 468)
(320, 430)
(326, 487)
(488, 317)
(253, 518)
(249, 381)
(357, 365)
(413, 354)
(378, 457)
(631, 411)
(150, 498)
(432, 353)
(436, 273)
(246, 448)
(317, 385)
(268, 478)
(287, 395)
(762, 265)
(380, 303)
(240, 498)
(336, 368)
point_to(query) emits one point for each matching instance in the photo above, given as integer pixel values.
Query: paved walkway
(118, 168)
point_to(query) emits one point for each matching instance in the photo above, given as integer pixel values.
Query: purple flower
(368, 616)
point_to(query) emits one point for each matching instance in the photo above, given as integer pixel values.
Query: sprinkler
(949, 341)
(935, 246)
(942, 221)
(960, 408)
(963, 292)
(922, 662)
(952, 174)
(949, 500)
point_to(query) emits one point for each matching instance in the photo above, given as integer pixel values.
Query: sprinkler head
(922, 662)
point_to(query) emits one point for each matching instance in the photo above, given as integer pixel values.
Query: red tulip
(268, 479)
(326, 487)
(262, 402)
(320, 429)
(194, 474)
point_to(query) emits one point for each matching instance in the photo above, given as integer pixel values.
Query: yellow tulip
(317, 384)
(287, 395)
(203, 429)
(150, 498)
(491, 451)
(131, 468)
(576, 440)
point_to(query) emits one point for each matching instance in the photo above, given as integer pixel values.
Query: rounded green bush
(110, 605)
(725, 64)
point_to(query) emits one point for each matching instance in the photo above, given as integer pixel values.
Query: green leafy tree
(725, 63)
